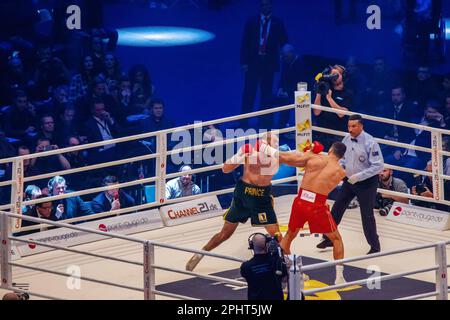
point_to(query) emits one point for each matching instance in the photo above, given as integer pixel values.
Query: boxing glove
(263, 147)
(239, 157)
(317, 147)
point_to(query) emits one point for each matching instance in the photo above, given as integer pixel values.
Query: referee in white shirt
(363, 161)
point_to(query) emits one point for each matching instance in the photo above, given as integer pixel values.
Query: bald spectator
(182, 186)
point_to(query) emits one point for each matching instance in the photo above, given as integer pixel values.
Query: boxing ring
(146, 252)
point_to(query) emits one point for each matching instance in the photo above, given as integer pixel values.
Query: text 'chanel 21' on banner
(190, 211)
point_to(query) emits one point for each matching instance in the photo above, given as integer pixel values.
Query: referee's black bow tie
(354, 140)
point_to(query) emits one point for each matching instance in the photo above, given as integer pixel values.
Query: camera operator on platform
(331, 93)
(264, 273)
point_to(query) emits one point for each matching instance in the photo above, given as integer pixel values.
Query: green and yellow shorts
(252, 202)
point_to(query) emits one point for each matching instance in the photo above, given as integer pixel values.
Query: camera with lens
(274, 249)
(325, 80)
(23, 295)
(420, 188)
(385, 210)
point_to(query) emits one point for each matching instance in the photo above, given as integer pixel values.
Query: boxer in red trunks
(322, 174)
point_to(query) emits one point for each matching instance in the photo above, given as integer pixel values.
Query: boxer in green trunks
(251, 199)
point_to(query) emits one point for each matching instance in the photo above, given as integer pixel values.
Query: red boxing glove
(247, 149)
(317, 147)
(307, 148)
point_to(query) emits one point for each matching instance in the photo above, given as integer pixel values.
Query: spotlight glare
(162, 36)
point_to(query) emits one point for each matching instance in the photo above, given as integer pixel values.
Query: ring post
(161, 167)
(296, 284)
(437, 165)
(303, 121)
(5, 251)
(441, 272)
(149, 271)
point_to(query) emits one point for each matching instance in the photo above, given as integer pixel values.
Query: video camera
(325, 80)
(274, 249)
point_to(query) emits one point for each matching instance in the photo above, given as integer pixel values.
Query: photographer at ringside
(387, 181)
(331, 92)
(266, 271)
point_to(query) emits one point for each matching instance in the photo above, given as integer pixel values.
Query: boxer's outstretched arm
(229, 167)
(295, 159)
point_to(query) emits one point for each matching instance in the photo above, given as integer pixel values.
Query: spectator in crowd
(47, 129)
(67, 124)
(68, 207)
(49, 163)
(19, 122)
(112, 199)
(356, 83)
(182, 186)
(379, 83)
(98, 91)
(28, 168)
(157, 120)
(81, 82)
(263, 273)
(101, 126)
(31, 193)
(111, 70)
(263, 37)
(388, 182)
(411, 158)
(13, 79)
(338, 97)
(43, 210)
(402, 110)
(447, 111)
(423, 87)
(50, 72)
(141, 88)
(423, 186)
(97, 51)
(55, 105)
(123, 101)
(77, 159)
(292, 72)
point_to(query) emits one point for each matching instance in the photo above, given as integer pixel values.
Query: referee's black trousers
(366, 192)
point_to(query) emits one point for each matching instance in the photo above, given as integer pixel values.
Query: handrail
(54, 246)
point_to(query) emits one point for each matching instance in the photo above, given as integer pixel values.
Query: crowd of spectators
(63, 90)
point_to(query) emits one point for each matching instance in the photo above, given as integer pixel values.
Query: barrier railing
(148, 265)
(440, 268)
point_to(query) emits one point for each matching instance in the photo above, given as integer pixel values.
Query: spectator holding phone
(49, 163)
(112, 199)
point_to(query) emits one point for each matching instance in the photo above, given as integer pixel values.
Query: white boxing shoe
(193, 262)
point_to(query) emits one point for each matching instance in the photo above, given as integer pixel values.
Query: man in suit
(69, 207)
(101, 127)
(400, 110)
(112, 199)
(263, 37)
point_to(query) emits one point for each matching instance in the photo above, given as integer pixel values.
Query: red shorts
(312, 208)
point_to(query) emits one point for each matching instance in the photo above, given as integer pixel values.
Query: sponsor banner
(418, 216)
(126, 224)
(190, 211)
(303, 123)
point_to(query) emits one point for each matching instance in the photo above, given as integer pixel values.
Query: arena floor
(194, 235)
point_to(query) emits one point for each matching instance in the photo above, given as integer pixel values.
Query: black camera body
(274, 249)
(420, 188)
(325, 81)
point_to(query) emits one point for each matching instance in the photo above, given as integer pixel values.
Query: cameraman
(423, 186)
(388, 182)
(337, 98)
(264, 273)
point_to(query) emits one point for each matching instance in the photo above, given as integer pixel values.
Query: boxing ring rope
(161, 155)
